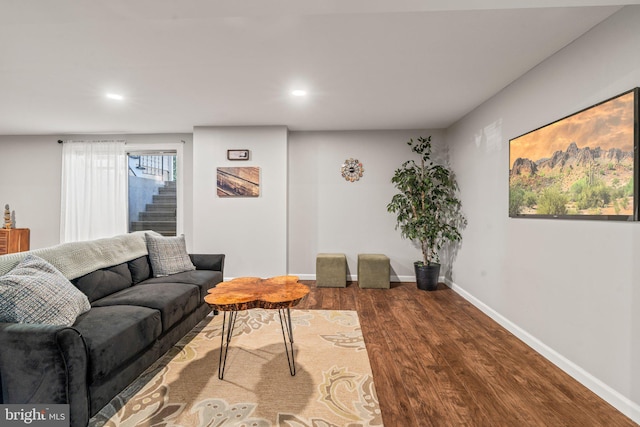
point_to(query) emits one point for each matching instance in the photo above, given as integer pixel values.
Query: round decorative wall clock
(352, 170)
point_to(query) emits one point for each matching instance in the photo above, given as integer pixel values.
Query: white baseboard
(613, 397)
(354, 277)
(411, 278)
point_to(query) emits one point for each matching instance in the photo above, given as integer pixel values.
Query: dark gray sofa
(134, 319)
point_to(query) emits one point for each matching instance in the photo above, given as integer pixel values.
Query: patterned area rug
(333, 385)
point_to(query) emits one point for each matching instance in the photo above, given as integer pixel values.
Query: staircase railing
(155, 166)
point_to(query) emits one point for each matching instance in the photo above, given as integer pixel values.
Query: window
(153, 191)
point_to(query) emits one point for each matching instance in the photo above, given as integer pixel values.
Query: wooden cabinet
(14, 240)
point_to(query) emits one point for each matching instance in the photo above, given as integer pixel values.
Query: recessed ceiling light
(115, 96)
(299, 92)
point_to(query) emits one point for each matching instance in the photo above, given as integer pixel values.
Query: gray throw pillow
(34, 291)
(168, 255)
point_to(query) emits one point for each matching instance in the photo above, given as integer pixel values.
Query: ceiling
(366, 64)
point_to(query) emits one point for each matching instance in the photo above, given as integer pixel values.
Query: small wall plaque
(237, 154)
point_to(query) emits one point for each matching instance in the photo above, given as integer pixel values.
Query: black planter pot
(427, 276)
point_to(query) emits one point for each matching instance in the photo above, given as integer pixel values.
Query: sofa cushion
(103, 282)
(116, 334)
(140, 269)
(34, 291)
(204, 279)
(174, 301)
(168, 255)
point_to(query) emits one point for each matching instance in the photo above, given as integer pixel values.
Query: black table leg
(287, 329)
(224, 346)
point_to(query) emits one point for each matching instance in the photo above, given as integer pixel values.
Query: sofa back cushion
(140, 269)
(103, 282)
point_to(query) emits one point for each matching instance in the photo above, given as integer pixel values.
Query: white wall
(568, 288)
(30, 174)
(252, 232)
(30, 178)
(329, 214)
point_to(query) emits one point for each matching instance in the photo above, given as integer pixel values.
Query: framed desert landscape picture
(583, 166)
(238, 181)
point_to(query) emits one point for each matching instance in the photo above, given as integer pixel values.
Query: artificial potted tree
(427, 209)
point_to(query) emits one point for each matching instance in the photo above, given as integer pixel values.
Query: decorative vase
(427, 276)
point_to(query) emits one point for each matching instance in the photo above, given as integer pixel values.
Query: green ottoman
(373, 271)
(331, 271)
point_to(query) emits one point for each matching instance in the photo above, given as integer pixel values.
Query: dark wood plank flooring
(439, 361)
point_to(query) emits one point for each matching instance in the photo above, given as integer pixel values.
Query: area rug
(333, 385)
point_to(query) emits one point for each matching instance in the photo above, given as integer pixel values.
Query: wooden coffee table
(244, 293)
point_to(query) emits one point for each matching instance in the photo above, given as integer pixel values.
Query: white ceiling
(367, 64)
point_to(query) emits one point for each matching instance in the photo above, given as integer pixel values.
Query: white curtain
(94, 190)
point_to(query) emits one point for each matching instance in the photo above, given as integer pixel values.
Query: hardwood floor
(438, 361)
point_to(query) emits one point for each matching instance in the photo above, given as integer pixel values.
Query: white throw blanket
(79, 258)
